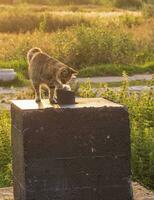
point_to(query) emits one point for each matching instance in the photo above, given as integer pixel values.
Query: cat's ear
(73, 71)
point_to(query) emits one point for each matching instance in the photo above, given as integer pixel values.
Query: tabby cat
(43, 69)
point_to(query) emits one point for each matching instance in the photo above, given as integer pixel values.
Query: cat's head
(67, 74)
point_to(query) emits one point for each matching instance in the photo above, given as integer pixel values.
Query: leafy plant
(128, 3)
(148, 10)
(92, 45)
(5, 150)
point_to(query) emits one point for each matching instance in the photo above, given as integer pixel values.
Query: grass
(117, 84)
(20, 68)
(98, 70)
(103, 46)
(148, 10)
(18, 65)
(77, 39)
(115, 70)
(133, 4)
(128, 3)
(23, 22)
(24, 18)
(95, 46)
(56, 8)
(108, 46)
(5, 149)
(62, 2)
(19, 81)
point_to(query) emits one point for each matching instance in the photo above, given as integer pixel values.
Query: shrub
(5, 150)
(148, 10)
(81, 45)
(93, 45)
(17, 65)
(53, 22)
(145, 50)
(130, 20)
(128, 3)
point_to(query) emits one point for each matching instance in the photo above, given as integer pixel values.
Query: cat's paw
(37, 100)
(66, 87)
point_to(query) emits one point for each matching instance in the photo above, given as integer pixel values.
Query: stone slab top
(80, 103)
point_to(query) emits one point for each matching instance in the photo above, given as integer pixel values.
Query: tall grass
(6, 1)
(148, 10)
(77, 39)
(128, 3)
(48, 2)
(92, 45)
(80, 46)
(15, 22)
(5, 150)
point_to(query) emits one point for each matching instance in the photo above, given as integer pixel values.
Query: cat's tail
(32, 52)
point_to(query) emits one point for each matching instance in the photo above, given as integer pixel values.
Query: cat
(44, 69)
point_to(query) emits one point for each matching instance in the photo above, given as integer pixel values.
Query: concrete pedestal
(73, 152)
(7, 75)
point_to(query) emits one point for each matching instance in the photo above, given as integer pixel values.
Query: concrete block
(71, 152)
(7, 74)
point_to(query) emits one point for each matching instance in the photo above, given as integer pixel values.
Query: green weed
(128, 3)
(115, 70)
(5, 149)
(148, 10)
(93, 45)
(130, 20)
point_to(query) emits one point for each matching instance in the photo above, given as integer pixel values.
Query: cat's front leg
(52, 95)
(36, 87)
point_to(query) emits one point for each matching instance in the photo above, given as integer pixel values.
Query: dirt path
(110, 79)
(140, 193)
(106, 79)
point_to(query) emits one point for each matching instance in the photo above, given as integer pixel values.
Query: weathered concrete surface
(111, 79)
(7, 74)
(79, 151)
(80, 103)
(140, 193)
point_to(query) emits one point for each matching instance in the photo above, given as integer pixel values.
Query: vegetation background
(98, 37)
